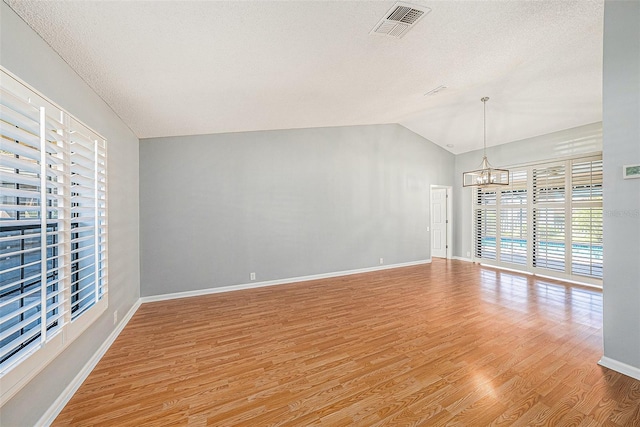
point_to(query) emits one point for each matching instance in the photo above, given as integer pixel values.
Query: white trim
(230, 288)
(45, 98)
(560, 277)
(596, 284)
(514, 270)
(32, 363)
(59, 404)
(623, 368)
(461, 258)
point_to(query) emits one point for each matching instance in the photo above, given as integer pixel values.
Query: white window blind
(549, 237)
(88, 217)
(513, 237)
(549, 184)
(513, 219)
(53, 229)
(486, 223)
(586, 217)
(549, 216)
(547, 221)
(486, 233)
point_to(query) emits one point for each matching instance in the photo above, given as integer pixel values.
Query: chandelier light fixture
(487, 175)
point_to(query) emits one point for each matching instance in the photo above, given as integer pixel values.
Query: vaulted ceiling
(195, 67)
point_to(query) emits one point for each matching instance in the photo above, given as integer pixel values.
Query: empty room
(320, 213)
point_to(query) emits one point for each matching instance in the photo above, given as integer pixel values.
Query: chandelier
(487, 175)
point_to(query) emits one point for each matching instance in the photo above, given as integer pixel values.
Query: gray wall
(283, 204)
(621, 128)
(581, 140)
(23, 53)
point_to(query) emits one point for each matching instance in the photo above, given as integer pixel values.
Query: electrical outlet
(428, 229)
(381, 260)
(468, 254)
(253, 276)
(115, 317)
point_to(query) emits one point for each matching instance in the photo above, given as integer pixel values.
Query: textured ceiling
(195, 67)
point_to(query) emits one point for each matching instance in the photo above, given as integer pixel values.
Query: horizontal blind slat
(14, 345)
(10, 300)
(6, 332)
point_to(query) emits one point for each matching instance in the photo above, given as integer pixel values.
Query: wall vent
(400, 19)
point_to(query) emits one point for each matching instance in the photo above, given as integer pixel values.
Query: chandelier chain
(484, 124)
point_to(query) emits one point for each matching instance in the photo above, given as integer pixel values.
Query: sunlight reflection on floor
(554, 300)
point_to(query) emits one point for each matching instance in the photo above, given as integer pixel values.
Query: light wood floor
(449, 343)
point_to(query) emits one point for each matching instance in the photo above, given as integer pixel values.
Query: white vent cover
(400, 19)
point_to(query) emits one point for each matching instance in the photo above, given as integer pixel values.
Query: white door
(439, 222)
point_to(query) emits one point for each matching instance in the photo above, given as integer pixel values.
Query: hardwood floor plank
(450, 343)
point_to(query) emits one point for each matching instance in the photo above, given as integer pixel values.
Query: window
(513, 219)
(586, 218)
(53, 231)
(486, 223)
(547, 221)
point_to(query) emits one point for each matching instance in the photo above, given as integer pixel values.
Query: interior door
(439, 222)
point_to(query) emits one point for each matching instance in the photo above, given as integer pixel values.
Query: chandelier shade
(487, 175)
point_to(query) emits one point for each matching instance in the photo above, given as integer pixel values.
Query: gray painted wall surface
(621, 128)
(581, 140)
(283, 204)
(23, 53)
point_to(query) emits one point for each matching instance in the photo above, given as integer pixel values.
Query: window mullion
(568, 238)
(530, 224)
(43, 227)
(66, 221)
(498, 225)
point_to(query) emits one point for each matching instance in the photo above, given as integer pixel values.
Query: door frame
(449, 227)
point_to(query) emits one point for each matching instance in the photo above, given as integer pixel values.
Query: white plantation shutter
(53, 247)
(513, 219)
(513, 235)
(549, 235)
(485, 223)
(515, 194)
(586, 233)
(586, 180)
(486, 233)
(586, 217)
(549, 184)
(549, 216)
(88, 203)
(548, 220)
(31, 167)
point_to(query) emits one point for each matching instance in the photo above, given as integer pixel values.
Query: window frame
(566, 203)
(56, 245)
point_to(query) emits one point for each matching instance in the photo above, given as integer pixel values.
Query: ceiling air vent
(400, 19)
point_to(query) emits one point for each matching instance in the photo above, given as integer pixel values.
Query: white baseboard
(243, 286)
(459, 258)
(55, 409)
(623, 368)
